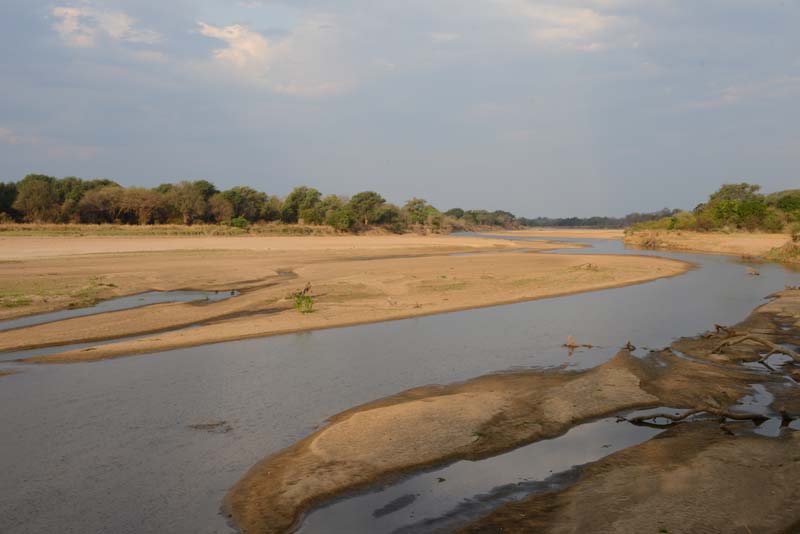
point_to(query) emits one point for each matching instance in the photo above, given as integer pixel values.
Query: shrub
(303, 303)
(773, 221)
(240, 222)
(795, 231)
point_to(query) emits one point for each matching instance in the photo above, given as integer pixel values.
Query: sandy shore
(577, 233)
(734, 244)
(484, 416)
(354, 280)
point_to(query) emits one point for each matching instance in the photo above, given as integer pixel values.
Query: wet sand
(733, 244)
(436, 424)
(353, 280)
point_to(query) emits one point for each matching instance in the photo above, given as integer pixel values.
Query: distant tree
(102, 205)
(302, 200)
(163, 188)
(364, 206)
(247, 203)
(188, 201)
(736, 192)
(37, 198)
(220, 208)
(456, 213)
(417, 211)
(342, 219)
(789, 203)
(206, 188)
(8, 194)
(272, 209)
(142, 203)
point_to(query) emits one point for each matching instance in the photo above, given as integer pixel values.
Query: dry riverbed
(669, 483)
(352, 279)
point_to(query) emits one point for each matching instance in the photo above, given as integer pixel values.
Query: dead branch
(774, 347)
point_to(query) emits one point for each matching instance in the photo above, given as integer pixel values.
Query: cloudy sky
(542, 107)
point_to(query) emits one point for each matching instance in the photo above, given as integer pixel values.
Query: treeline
(45, 199)
(597, 222)
(737, 207)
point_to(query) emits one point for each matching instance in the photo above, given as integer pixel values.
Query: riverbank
(746, 244)
(482, 417)
(352, 280)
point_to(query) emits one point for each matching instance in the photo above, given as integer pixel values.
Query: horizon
(543, 109)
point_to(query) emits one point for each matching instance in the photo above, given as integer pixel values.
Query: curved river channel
(110, 446)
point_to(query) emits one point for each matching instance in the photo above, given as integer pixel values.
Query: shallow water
(121, 303)
(106, 446)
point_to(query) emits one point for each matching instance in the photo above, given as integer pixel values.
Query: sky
(539, 107)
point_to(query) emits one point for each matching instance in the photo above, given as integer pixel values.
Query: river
(108, 446)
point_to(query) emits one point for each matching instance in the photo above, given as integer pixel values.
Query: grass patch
(55, 230)
(15, 302)
(303, 302)
(788, 253)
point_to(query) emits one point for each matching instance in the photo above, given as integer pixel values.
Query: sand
(733, 244)
(354, 280)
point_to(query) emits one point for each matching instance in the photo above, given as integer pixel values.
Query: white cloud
(83, 26)
(585, 26)
(246, 49)
(304, 62)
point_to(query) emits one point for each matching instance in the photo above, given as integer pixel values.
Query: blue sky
(541, 107)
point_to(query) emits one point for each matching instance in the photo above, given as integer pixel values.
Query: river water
(108, 446)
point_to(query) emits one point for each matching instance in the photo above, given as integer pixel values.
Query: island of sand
(351, 280)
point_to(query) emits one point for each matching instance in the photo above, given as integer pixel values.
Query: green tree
(141, 203)
(188, 201)
(103, 205)
(220, 208)
(456, 213)
(206, 188)
(301, 200)
(789, 203)
(364, 207)
(8, 194)
(736, 192)
(247, 202)
(417, 211)
(37, 198)
(343, 218)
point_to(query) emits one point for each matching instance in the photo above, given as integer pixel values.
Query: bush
(303, 303)
(240, 222)
(795, 231)
(773, 221)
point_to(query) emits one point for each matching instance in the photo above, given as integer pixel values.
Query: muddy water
(107, 446)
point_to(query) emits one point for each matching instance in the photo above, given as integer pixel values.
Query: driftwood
(739, 337)
(572, 345)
